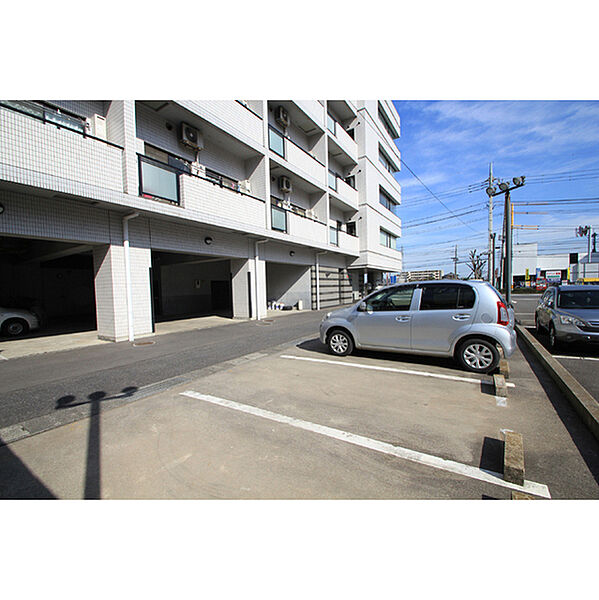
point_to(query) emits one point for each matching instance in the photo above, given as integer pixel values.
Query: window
(386, 162)
(334, 236)
(331, 124)
(388, 239)
(351, 228)
(278, 218)
(332, 180)
(391, 300)
(387, 201)
(447, 297)
(171, 160)
(351, 181)
(157, 180)
(386, 123)
(276, 142)
(578, 299)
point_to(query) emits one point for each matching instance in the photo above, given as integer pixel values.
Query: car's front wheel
(15, 327)
(340, 343)
(554, 343)
(478, 355)
(538, 326)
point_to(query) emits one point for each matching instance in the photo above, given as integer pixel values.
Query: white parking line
(576, 357)
(435, 462)
(485, 380)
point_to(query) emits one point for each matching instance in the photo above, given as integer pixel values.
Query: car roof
(574, 288)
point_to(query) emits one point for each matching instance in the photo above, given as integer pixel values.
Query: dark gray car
(569, 313)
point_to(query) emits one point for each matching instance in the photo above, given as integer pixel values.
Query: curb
(585, 405)
(513, 458)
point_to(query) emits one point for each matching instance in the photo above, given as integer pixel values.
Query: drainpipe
(128, 273)
(256, 256)
(318, 279)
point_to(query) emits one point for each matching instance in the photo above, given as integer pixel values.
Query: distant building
(421, 275)
(528, 264)
(585, 270)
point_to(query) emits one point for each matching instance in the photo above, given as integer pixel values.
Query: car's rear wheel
(15, 327)
(478, 355)
(340, 343)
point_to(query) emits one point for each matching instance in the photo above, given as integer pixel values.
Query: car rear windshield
(578, 299)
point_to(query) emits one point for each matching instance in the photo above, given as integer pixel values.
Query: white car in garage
(15, 322)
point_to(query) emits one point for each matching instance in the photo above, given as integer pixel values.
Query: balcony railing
(346, 193)
(296, 220)
(158, 180)
(295, 155)
(206, 199)
(278, 218)
(314, 109)
(349, 243)
(333, 236)
(228, 115)
(42, 147)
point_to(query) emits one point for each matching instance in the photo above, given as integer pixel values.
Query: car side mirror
(550, 304)
(363, 307)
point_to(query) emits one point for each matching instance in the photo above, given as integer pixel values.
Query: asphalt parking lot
(581, 360)
(298, 423)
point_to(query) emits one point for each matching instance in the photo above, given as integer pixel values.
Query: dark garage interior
(54, 280)
(186, 286)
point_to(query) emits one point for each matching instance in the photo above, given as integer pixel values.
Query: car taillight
(503, 318)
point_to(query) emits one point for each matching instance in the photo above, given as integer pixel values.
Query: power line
(432, 193)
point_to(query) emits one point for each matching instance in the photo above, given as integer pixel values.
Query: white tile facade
(60, 185)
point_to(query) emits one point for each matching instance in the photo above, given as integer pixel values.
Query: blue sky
(449, 145)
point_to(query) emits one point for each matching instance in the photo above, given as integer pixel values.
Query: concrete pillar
(243, 288)
(121, 129)
(109, 281)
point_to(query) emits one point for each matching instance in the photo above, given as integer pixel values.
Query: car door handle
(460, 317)
(402, 319)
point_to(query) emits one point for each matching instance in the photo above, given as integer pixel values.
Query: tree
(477, 262)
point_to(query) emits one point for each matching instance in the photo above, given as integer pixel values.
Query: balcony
(341, 145)
(314, 110)
(43, 148)
(229, 115)
(217, 203)
(342, 194)
(348, 243)
(301, 227)
(296, 158)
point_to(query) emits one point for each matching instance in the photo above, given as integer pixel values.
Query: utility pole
(504, 188)
(455, 262)
(491, 237)
(492, 260)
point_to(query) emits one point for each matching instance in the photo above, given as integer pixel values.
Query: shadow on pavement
(93, 471)
(579, 433)
(17, 482)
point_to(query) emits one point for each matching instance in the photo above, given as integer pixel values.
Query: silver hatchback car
(569, 313)
(464, 319)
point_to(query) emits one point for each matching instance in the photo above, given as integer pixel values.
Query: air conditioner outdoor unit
(282, 116)
(191, 137)
(98, 126)
(285, 184)
(244, 186)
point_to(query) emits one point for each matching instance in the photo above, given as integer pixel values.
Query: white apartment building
(131, 212)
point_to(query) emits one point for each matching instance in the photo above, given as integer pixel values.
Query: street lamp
(504, 188)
